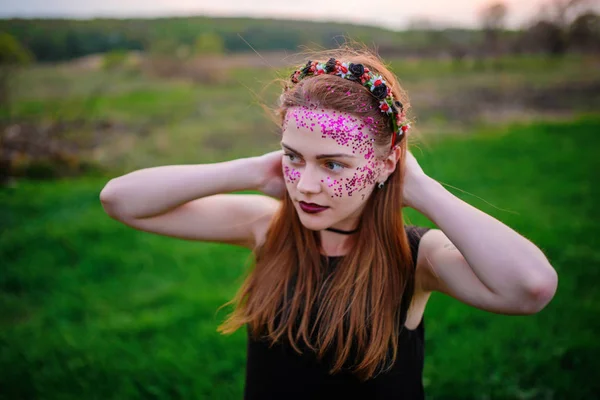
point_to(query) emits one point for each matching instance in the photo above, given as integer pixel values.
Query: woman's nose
(309, 181)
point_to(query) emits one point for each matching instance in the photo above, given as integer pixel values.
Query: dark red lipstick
(312, 208)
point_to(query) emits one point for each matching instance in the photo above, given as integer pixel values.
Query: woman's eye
(336, 167)
(330, 165)
(290, 156)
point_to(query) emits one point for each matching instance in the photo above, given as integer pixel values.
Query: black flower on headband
(330, 65)
(357, 69)
(380, 91)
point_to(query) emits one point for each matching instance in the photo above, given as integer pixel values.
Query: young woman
(334, 303)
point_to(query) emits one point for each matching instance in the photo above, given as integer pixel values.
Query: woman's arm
(191, 201)
(473, 256)
(152, 191)
(478, 259)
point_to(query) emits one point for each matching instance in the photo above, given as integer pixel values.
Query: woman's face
(329, 160)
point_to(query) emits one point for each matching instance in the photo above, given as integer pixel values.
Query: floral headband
(359, 73)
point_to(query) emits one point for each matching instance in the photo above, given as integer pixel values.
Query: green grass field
(92, 309)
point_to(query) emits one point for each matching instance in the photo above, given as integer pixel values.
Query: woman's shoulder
(414, 234)
(262, 224)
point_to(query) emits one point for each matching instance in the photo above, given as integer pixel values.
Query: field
(138, 120)
(92, 309)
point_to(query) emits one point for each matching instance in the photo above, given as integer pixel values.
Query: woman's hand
(270, 170)
(415, 181)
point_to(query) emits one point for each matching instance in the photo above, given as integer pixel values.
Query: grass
(93, 309)
(45, 91)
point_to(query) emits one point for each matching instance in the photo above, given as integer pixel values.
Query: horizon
(432, 13)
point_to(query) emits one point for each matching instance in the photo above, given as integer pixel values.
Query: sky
(396, 14)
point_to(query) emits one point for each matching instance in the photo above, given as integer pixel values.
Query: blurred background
(506, 102)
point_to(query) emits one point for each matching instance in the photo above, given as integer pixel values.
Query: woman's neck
(335, 244)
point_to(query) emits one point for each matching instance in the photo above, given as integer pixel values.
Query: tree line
(561, 26)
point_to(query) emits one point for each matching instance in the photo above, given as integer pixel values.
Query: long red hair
(355, 314)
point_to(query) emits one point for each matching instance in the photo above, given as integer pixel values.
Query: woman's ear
(390, 163)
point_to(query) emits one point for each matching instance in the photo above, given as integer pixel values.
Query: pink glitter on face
(291, 174)
(348, 131)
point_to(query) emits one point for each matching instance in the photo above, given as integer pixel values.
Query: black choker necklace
(341, 231)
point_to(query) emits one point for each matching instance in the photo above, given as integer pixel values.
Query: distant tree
(563, 12)
(560, 24)
(546, 37)
(12, 56)
(584, 32)
(12, 52)
(73, 44)
(493, 19)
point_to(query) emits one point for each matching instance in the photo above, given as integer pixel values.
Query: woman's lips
(312, 208)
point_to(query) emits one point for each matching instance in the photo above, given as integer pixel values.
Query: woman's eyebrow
(320, 156)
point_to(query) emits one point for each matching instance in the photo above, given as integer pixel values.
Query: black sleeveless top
(278, 372)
